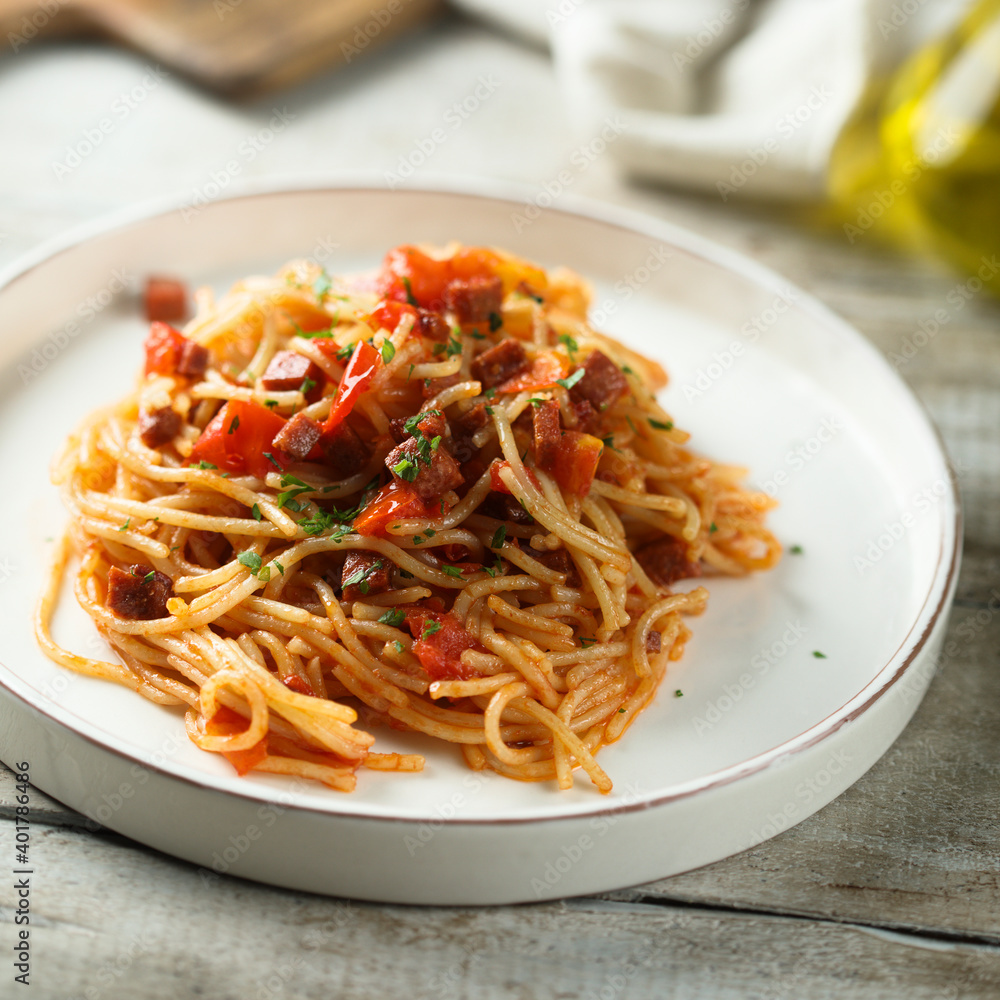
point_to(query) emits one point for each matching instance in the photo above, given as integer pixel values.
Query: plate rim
(630, 220)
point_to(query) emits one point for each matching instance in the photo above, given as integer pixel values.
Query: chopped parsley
(204, 465)
(496, 321)
(499, 537)
(322, 285)
(713, 528)
(345, 352)
(661, 425)
(398, 645)
(405, 574)
(287, 498)
(678, 693)
(124, 527)
(281, 569)
(571, 345)
(586, 642)
(491, 392)
(406, 469)
(273, 461)
(393, 617)
(307, 385)
(568, 383)
(430, 628)
(233, 425)
(149, 576)
(360, 578)
(796, 550)
(536, 401)
(476, 335)
(451, 571)
(450, 349)
(270, 403)
(410, 297)
(265, 575)
(255, 511)
(819, 655)
(251, 560)
(388, 351)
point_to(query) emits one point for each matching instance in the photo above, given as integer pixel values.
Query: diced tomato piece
(409, 274)
(164, 346)
(576, 461)
(295, 683)
(358, 374)
(545, 369)
(328, 347)
(440, 651)
(387, 315)
(226, 722)
(395, 501)
(498, 485)
(237, 438)
(165, 299)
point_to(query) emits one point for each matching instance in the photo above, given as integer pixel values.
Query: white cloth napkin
(723, 95)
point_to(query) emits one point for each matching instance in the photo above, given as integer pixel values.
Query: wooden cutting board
(239, 47)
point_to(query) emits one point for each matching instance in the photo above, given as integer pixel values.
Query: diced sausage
(654, 641)
(288, 371)
(559, 560)
(603, 383)
(431, 426)
(504, 507)
(299, 436)
(364, 575)
(665, 561)
(139, 594)
(193, 360)
(464, 428)
(165, 299)
(157, 427)
(586, 415)
(432, 325)
(472, 300)
(431, 477)
(547, 433)
(499, 363)
(345, 452)
(432, 386)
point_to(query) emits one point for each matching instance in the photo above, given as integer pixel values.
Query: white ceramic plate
(766, 731)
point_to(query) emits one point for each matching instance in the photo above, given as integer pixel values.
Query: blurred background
(853, 145)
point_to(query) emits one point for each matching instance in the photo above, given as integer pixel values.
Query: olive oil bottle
(920, 163)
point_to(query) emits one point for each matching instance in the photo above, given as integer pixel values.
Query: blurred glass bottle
(921, 160)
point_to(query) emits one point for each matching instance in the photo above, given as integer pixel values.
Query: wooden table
(892, 891)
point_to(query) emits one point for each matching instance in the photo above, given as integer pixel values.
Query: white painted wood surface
(891, 891)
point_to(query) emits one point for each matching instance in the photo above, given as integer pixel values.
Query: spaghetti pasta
(433, 497)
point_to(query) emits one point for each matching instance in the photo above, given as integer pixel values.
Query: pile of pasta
(430, 498)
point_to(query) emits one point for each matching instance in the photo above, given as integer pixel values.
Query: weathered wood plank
(224, 939)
